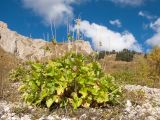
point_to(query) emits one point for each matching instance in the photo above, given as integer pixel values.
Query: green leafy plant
(74, 80)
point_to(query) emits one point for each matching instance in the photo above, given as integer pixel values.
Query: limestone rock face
(3, 25)
(31, 49)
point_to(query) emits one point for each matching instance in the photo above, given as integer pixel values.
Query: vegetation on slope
(142, 70)
(125, 55)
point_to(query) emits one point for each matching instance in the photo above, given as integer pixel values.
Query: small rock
(128, 106)
(150, 118)
(7, 109)
(84, 116)
(26, 117)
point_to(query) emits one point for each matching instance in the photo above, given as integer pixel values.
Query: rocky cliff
(31, 49)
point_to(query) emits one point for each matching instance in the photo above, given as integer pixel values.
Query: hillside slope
(31, 49)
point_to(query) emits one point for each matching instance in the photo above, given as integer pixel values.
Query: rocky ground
(149, 109)
(144, 104)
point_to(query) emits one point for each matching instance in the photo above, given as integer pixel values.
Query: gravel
(149, 110)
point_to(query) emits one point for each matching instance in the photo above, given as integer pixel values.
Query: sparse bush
(145, 56)
(101, 55)
(73, 80)
(154, 62)
(113, 52)
(125, 55)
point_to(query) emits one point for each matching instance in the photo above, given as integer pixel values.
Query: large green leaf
(33, 85)
(49, 102)
(102, 97)
(43, 93)
(37, 67)
(94, 91)
(56, 98)
(83, 91)
(76, 102)
(60, 89)
(87, 102)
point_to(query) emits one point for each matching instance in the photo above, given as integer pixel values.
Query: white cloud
(110, 40)
(146, 15)
(116, 22)
(155, 40)
(156, 25)
(129, 2)
(55, 10)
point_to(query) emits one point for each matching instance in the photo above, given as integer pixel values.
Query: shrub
(154, 61)
(73, 80)
(125, 55)
(101, 55)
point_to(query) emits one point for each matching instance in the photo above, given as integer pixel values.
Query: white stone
(150, 118)
(26, 117)
(128, 106)
(53, 117)
(7, 109)
(84, 116)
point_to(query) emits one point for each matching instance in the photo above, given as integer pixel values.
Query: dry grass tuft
(7, 62)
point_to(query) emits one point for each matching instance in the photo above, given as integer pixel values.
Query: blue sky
(140, 18)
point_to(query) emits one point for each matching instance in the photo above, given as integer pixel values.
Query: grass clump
(73, 80)
(17, 74)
